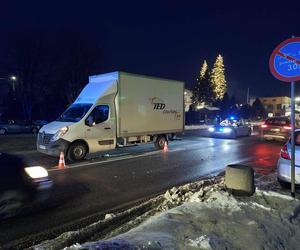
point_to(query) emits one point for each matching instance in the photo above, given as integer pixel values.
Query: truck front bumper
(52, 148)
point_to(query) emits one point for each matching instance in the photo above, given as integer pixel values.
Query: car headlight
(36, 172)
(227, 130)
(60, 133)
(211, 129)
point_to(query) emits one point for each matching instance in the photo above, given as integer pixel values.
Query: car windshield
(278, 122)
(74, 113)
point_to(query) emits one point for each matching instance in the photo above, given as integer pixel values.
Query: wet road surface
(102, 184)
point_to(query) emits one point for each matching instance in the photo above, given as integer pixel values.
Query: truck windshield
(75, 112)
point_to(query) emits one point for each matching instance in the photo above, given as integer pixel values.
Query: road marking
(107, 161)
(128, 157)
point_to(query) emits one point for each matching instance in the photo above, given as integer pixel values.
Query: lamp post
(14, 80)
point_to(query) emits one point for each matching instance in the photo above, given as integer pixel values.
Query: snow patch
(207, 242)
(109, 216)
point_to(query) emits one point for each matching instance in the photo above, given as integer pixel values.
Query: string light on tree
(217, 78)
(203, 70)
(203, 93)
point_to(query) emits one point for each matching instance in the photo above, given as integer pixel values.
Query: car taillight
(287, 127)
(284, 153)
(264, 125)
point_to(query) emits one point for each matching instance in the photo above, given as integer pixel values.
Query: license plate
(275, 130)
(42, 147)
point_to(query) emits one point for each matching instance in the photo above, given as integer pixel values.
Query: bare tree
(27, 56)
(78, 59)
(51, 68)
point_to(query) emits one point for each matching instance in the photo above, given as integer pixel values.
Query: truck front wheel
(160, 142)
(77, 151)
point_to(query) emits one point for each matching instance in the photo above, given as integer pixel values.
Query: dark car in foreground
(231, 128)
(20, 185)
(276, 128)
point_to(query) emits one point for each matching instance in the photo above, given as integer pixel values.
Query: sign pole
(284, 64)
(293, 139)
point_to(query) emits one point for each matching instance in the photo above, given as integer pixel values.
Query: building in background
(276, 105)
(187, 99)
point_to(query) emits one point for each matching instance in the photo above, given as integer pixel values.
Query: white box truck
(115, 110)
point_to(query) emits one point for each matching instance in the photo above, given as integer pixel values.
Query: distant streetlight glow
(13, 80)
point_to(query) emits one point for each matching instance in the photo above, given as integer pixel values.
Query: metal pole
(247, 95)
(293, 139)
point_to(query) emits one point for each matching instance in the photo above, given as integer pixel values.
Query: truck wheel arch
(78, 141)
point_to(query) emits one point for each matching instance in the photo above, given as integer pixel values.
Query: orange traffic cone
(61, 163)
(166, 149)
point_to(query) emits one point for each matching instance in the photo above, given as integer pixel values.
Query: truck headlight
(36, 172)
(60, 133)
(211, 129)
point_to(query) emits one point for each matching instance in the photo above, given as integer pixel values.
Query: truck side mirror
(90, 121)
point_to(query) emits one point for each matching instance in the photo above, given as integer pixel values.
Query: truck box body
(147, 105)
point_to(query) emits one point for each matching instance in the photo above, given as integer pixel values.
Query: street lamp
(13, 80)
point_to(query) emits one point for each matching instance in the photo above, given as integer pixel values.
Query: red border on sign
(271, 61)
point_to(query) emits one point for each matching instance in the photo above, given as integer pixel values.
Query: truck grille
(44, 139)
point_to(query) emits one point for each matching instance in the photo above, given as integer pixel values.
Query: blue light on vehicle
(232, 118)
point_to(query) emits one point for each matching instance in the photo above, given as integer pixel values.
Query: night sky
(171, 38)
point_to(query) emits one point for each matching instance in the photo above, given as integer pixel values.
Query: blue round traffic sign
(285, 60)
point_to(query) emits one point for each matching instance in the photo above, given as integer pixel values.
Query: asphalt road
(106, 182)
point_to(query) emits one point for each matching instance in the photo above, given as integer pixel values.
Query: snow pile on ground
(193, 192)
(210, 218)
(267, 221)
(200, 215)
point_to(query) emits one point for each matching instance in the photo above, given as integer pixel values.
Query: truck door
(100, 129)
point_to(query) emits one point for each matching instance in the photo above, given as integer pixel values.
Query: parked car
(39, 123)
(20, 185)
(17, 126)
(284, 162)
(231, 128)
(276, 128)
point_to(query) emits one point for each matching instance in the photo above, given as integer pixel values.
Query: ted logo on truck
(157, 103)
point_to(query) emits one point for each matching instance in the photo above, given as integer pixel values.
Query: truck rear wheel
(77, 151)
(160, 142)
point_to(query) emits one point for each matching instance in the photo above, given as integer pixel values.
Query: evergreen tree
(258, 109)
(224, 105)
(217, 78)
(246, 111)
(203, 70)
(203, 92)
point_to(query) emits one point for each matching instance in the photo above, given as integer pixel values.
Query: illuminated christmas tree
(203, 92)
(217, 78)
(203, 70)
